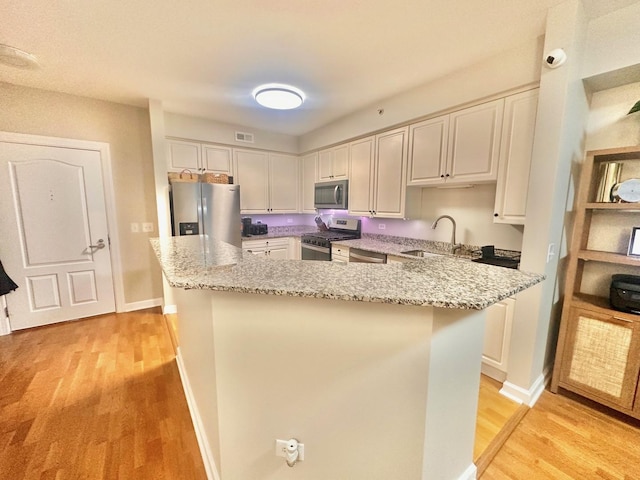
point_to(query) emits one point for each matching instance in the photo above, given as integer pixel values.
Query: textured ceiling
(203, 57)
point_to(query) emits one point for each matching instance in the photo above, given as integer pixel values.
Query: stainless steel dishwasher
(364, 256)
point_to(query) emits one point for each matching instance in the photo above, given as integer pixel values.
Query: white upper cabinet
(516, 148)
(377, 181)
(361, 177)
(198, 158)
(308, 166)
(472, 138)
(252, 174)
(428, 151)
(284, 183)
(183, 155)
(217, 159)
(333, 163)
(268, 182)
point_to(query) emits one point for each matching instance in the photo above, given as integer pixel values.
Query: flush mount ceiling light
(14, 57)
(279, 97)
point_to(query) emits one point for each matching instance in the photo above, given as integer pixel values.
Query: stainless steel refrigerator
(212, 209)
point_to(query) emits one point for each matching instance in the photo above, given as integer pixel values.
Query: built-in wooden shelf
(624, 207)
(601, 305)
(609, 257)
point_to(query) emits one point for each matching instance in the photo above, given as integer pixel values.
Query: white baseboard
(153, 302)
(470, 473)
(527, 396)
(5, 326)
(203, 442)
(169, 309)
(493, 372)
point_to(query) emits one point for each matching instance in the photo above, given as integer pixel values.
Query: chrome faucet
(454, 247)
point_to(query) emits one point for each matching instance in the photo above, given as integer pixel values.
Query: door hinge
(109, 240)
(6, 312)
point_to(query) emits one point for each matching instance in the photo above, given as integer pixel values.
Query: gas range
(317, 245)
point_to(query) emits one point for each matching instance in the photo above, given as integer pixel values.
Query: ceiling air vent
(244, 137)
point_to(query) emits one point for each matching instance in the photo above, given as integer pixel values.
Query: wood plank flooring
(98, 398)
(495, 411)
(561, 438)
(101, 398)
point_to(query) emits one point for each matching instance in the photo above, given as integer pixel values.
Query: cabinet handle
(626, 320)
(496, 215)
(447, 175)
(441, 176)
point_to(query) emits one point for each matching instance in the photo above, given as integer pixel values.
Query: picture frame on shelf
(634, 243)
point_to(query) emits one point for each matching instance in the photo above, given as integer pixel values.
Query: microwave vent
(244, 137)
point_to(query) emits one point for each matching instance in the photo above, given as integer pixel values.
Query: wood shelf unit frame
(598, 352)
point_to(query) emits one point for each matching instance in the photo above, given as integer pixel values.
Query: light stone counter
(194, 262)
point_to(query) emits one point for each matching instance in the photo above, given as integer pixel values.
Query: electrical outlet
(147, 227)
(135, 227)
(281, 449)
(289, 220)
(381, 226)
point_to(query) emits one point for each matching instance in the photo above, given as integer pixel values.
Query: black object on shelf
(624, 293)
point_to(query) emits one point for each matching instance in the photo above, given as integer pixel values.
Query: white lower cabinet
(339, 254)
(497, 339)
(275, 248)
(394, 259)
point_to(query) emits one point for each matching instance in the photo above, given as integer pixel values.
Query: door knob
(99, 245)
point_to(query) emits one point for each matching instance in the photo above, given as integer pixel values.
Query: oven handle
(317, 249)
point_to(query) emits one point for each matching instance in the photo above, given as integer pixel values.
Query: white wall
(612, 42)
(609, 125)
(194, 128)
(557, 150)
(472, 209)
(516, 67)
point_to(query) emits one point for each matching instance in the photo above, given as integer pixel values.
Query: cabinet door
(361, 177)
(497, 339)
(333, 163)
(474, 136)
(256, 247)
(181, 155)
(308, 166)
(341, 162)
(516, 148)
(428, 151)
(217, 159)
(390, 173)
(601, 358)
(283, 183)
(325, 165)
(252, 174)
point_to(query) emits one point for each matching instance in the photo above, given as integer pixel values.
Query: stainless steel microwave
(332, 195)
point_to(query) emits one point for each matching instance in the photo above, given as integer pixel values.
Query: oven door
(314, 252)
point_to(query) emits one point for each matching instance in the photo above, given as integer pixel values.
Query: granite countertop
(391, 245)
(196, 262)
(283, 231)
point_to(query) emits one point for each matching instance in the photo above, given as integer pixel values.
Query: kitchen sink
(419, 253)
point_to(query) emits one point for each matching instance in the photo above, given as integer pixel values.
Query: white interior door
(55, 240)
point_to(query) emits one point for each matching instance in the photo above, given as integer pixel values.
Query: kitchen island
(375, 368)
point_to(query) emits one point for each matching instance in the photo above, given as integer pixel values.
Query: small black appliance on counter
(246, 226)
(489, 257)
(259, 229)
(624, 293)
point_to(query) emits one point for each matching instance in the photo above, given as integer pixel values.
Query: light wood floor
(561, 438)
(98, 398)
(101, 399)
